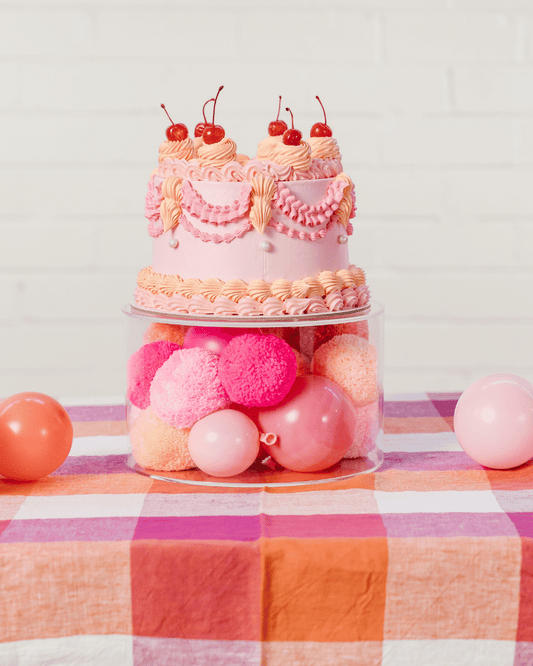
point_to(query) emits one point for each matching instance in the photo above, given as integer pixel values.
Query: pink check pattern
(427, 561)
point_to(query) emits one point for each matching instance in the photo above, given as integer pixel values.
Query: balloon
(224, 443)
(211, 339)
(35, 436)
(315, 424)
(493, 421)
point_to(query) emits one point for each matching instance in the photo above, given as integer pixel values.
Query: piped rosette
(297, 157)
(324, 148)
(266, 150)
(326, 156)
(177, 150)
(217, 154)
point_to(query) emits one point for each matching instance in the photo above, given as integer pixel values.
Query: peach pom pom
(351, 362)
(359, 328)
(302, 366)
(187, 387)
(366, 432)
(170, 332)
(142, 366)
(157, 445)
(257, 370)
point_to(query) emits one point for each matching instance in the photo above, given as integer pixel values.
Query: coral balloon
(225, 443)
(316, 425)
(35, 436)
(493, 421)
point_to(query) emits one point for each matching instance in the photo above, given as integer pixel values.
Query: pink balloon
(493, 421)
(315, 424)
(211, 339)
(224, 443)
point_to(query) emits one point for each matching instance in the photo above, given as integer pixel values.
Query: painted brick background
(431, 102)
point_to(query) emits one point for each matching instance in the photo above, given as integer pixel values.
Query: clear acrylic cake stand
(260, 474)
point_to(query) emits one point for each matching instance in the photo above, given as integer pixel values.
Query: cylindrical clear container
(293, 400)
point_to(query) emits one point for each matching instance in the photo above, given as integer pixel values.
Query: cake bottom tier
(326, 292)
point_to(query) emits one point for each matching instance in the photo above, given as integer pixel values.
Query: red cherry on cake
(176, 131)
(321, 129)
(277, 127)
(292, 137)
(214, 133)
(199, 129)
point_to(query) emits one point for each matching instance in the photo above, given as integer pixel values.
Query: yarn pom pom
(351, 362)
(359, 328)
(257, 370)
(170, 332)
(142, 366)
(187, 387)
(157, 445)
(366, 431)
(302, 366)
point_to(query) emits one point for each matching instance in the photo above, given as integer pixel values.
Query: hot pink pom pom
(142, 366)
(257, 370)
(187, 387)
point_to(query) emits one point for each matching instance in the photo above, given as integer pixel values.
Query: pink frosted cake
(246, 237)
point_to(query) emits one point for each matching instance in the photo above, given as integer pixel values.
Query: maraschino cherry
(199, 129)
(214, 133)
(176, 131)
(277, 127)
(292, 137)
(321, 129)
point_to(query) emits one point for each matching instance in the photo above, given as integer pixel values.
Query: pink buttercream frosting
(235, 171)
(222, 306)
(152, 206)
(194, 203)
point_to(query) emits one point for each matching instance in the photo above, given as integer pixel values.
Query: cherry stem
(292, 117)
(323, 109)
(215, 103)
(203, 108)
(165, 108)
(279, 108)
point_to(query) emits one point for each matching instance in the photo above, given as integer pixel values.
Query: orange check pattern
(427, 561)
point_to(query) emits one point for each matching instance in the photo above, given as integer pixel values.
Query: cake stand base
(260, 476)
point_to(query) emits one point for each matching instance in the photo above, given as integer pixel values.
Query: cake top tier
(282, 155)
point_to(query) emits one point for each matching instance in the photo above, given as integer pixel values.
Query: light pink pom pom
(142, 366)
(257, 370)
(187, 387)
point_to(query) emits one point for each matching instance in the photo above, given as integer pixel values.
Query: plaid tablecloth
(427, 561)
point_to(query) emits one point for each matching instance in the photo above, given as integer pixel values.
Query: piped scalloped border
(327, 292)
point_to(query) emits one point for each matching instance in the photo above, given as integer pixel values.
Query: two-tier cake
(247, 237)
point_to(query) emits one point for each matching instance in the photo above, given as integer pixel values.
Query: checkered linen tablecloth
(427, 561)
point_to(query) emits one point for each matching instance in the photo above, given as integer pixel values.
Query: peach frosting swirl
(326, 283)
(212, 300)
(267, 147)
(297, 157)
(324, 147)
(177, 150)
(217, 154)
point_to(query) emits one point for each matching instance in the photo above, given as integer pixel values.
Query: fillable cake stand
(265, 472)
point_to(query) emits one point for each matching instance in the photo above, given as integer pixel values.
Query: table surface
(427, 561)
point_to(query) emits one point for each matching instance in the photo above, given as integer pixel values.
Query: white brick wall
(431, 102)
